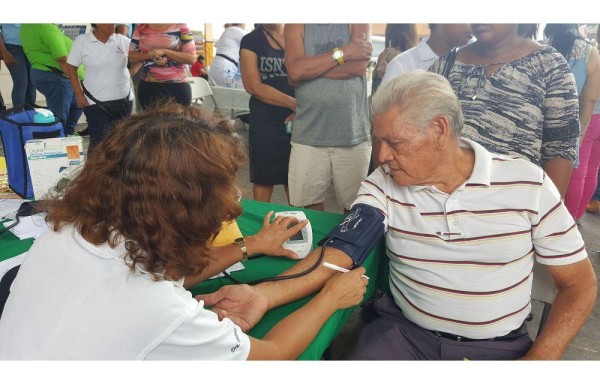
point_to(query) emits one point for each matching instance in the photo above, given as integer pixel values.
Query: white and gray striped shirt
(462, 263)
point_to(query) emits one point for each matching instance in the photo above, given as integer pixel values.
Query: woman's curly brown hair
(163, 181)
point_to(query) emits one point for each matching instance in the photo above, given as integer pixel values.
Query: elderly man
(463, 228)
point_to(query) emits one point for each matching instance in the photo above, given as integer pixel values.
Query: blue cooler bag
(17, 126)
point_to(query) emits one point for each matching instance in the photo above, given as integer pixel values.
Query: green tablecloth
(250, 223)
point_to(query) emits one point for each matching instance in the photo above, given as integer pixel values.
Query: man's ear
(441, 129)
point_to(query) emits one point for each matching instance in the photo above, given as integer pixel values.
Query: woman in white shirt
(108, 99)
(133, 231)
(227, 60)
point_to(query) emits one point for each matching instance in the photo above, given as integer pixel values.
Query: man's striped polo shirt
(462, 263)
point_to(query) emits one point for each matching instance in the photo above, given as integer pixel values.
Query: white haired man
(462, 227)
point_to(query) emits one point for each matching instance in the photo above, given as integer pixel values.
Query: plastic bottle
(229, 78)
(237, 80)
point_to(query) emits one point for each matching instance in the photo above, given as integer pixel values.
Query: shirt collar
(424, 52)
(119, 252)
(93, 38)
(482, 167)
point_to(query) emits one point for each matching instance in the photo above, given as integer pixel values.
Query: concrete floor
(585, 346)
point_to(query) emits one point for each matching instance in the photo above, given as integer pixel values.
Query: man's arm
(246, 305)
(359, 33)
(301, 67)
(574, 301)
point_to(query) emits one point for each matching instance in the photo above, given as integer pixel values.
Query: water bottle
(228, 79)
(237, 79)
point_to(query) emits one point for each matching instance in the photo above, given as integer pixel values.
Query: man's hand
(242, 304)
(358, 49)
(270, 239)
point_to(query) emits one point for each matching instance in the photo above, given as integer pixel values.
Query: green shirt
(43, 44)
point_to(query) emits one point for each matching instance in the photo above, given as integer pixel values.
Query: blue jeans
(23, 89)
(60, 97)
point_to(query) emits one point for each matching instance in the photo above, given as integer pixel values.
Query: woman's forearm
(291, 336)
(138, 57)
(180, 57)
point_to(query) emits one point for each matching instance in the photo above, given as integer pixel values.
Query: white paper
(235, 267)
(29, 226)
(8, 207)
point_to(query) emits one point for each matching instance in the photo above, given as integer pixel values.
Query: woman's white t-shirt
(73, 300)
(106, 74)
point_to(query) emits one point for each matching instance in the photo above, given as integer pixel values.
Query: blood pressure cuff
(358, 233)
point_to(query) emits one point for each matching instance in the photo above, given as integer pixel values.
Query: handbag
(113, 108)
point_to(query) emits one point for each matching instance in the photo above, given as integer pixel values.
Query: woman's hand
(270, 239)
(346, 289)
(154, 53)
(291, 117)
(242, 304)
(82, 101)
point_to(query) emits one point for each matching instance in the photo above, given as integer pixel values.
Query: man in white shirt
(444, 37)
(463, 228)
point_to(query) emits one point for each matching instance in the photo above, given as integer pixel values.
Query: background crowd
(313, 125)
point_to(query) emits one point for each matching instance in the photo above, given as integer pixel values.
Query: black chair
(5, 284)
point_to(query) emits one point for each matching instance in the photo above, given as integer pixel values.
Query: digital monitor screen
(297, 237)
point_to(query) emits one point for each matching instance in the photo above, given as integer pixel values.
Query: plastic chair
(544, 291)
(200, 90)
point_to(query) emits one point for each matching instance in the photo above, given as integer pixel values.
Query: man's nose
(384, 153)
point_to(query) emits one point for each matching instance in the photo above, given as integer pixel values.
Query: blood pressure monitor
(302, 241)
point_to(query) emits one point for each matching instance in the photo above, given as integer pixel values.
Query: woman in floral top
(163, 49)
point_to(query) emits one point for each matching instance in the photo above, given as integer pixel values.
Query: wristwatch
(240, 242)
(338, 55)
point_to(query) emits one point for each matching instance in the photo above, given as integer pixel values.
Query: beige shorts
(312, 169)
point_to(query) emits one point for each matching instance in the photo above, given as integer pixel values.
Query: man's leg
(52, 87)
(309, 175)
(350, 167)
(390, 336)
(74, 110)
(23, 89)
(393, 337)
